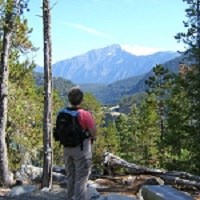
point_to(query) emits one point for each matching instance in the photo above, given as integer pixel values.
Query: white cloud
(140, 50)
(87, 29)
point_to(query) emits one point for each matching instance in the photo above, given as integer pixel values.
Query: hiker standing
(78, 158)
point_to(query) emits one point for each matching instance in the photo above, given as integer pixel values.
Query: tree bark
(47, 128)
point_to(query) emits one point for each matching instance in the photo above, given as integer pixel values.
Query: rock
(58, 177)
(92, 184)
(116, 197)
(15, 191)
(11, 178)
(30, 172)
(162, 192)
(45, 189)
(18, 182)
(92, 194)
(153, 181)
(105, 182)
(58, 169)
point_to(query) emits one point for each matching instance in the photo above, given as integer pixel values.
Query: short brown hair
(75, 96)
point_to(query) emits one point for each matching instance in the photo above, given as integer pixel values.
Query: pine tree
(4, 74)
(11, 10)
(149, 131)
(21, 88)
(124, 136)
(159, 85)
(178, 122)
(192, 40)
(134, 145)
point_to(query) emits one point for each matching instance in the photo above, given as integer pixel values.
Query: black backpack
(68, 130)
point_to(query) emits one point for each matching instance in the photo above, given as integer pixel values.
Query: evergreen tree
(159, 85)
(24, 130)
(178, 122)
(11, 10)
(192, 40)
(134, 144)
(124, 136)
(111, 140)
(149, 132)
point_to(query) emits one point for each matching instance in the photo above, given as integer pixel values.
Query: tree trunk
(47, 128)
(4, 76)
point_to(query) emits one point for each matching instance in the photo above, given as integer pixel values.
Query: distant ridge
(107, 65)
(112, 93)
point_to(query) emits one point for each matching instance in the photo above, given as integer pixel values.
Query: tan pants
(77, 164)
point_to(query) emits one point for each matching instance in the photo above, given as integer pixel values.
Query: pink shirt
(86, 120)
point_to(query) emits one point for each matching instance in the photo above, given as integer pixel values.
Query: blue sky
(139, 26)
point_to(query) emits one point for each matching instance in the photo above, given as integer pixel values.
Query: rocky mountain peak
(107, 65)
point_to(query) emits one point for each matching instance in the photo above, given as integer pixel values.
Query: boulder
(162, 192)
(92, 193)
(18, 190)
(30, 172)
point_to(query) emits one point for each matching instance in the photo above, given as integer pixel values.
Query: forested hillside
(114, 92)
(61, 85)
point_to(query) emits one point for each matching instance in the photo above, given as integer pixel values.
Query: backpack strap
(70, 111)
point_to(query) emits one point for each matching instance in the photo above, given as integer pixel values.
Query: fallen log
(174, 178)
(112, 161)
(181, 183)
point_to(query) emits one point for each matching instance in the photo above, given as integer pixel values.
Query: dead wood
(174, 178)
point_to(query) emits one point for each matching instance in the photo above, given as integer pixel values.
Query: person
(78, 161)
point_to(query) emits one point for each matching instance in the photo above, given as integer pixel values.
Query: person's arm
(93, 132)
(89, 123)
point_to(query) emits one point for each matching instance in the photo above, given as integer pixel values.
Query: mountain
(107, 65)
(112, 93)
(172, 65)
